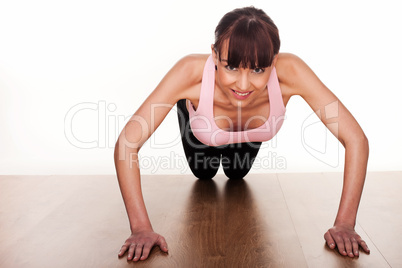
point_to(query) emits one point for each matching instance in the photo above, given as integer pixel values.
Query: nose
(243, 82)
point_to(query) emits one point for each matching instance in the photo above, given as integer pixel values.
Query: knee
(205, 169)
(205, 174)
(234, 174)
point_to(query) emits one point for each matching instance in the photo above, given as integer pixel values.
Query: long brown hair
(253, 38)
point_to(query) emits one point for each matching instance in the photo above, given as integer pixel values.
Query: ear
(275, 60)
(214, 55)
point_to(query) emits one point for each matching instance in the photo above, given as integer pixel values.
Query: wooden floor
(266, 220)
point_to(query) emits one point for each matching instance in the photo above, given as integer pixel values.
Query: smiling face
(245, 50)
(240, 84)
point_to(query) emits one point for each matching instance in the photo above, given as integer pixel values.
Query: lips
(241, 95)
(241, 92)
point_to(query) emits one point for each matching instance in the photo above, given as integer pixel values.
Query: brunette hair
(253, 38)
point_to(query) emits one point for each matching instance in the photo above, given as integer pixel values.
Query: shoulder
(191, 67)
(294, 73)
(300, 80)
(183, 76)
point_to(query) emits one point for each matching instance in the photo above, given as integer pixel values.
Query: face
(242, 86)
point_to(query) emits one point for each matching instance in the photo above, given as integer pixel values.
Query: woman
(228, 103)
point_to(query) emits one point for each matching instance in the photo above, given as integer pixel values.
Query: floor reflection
(223, 223)
(245, 240)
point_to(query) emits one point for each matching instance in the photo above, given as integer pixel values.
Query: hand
(346, 239)
(139, 244)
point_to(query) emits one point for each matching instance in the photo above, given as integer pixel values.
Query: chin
(240, 103)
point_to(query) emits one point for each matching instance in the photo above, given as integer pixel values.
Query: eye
(258, 70)
(230, 68)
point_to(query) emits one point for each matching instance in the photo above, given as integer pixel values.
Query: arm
(136, 132)
(343, 125)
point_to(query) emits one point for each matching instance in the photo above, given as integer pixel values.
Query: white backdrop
(73, 72)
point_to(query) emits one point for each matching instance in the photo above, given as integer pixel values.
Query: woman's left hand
(346, 240)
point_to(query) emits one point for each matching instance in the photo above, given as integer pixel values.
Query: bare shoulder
(295, 74)
(183, 77)
(287, 67)
(288, 62)
(188, 72)
(191, 66)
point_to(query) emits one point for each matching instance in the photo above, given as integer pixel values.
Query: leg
(238, 158)
(203, 160)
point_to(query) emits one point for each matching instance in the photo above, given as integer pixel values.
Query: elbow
(124, 150)
(359, 139)
(359, 142)
(116, 151)
(363, 140)
(365, 150)
(366, 143)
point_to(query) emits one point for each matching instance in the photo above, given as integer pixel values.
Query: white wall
(84, 67)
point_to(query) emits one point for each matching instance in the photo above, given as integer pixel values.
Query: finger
(131, 252)
(348, 246)
(355, 246)
(363, 245)
(161, 242)
(145, 251)
(138, 251)
(123, 250)
(341, 245)
(329, 239)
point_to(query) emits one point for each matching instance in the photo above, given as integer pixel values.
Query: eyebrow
(255, 66)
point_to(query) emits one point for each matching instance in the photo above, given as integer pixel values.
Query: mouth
(241, 95)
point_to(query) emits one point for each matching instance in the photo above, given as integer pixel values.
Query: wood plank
(313, 200)
(62, 217)
(266, 220)
(219, 224)
(24, 203)
(380, 213)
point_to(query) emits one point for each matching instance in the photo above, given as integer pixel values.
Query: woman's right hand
(140, 243)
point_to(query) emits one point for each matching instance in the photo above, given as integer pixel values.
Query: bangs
(249, 45)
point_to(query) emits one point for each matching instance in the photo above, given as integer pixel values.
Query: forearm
(128, 174)
(356, 157)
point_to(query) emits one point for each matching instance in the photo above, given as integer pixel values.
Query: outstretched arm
(302, 81)
(342, 234)
(136, 132)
